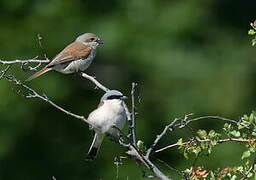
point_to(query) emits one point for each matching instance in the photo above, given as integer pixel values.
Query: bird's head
(113, 95)
(89, 39)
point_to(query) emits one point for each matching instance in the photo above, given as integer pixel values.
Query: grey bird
(110, 112)
(76, 57)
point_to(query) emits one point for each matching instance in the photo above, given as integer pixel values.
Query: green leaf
(251, 32)
(214, 142)
(235, 133)
(197, 150)
(253, 42)
(185, 154)
(180, 142)
(246, 154)
(140, 144)
(251, 118)
(212, 133)
(233, 177)
(209, 150)
(202, 134)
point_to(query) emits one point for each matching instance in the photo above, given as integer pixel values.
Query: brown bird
(76, 57)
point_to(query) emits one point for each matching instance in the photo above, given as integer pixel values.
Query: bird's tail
(93, 151)
(39, 73)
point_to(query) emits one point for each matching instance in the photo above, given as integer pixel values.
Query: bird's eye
(114, 97)
(92, 39)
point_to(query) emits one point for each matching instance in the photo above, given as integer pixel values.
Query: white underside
(111, 113)
(75, 66)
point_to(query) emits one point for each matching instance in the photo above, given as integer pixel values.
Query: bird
(76, 57)
(110, 112)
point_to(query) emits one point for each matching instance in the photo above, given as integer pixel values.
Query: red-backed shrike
(110, 113)
(76, 57)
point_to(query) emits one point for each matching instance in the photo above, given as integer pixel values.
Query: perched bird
(110, 112)
(76, 57)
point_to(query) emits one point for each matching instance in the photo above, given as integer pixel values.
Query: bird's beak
(124, 97)
(100, 41)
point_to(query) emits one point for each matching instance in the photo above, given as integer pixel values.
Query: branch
(206, 140)
(211, 117)
(93, 79)
(180, 122)
(33, 94)
(3, 72)
(158, 137)
(134, 152)
(132, 130)
(138, 156)
(34, 60)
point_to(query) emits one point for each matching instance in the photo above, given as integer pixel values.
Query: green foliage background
(187, 56)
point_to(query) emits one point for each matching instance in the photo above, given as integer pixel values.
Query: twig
(132, 130)
(170, 127)
(129, 119)
(33, 94)
(172, 168)
(158, 137)
(211, 117)
(3, 72)
(206, 140)
(40, 39)
(134, 152)
(97, 83)
(24, 61)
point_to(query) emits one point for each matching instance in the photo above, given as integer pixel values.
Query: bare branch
(181, 173)
(40, 39)
(93, 79)
(24, 61)
(158, 137)
(33, 94)
(211, 117)
(3, 72)
(132, 130)
(138, 156)
(134, 152)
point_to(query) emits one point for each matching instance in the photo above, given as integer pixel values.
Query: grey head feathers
(113, 94)
(89, 38)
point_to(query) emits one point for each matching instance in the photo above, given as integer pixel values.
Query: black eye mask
(114, 97)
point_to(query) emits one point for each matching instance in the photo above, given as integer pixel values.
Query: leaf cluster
(242, 132)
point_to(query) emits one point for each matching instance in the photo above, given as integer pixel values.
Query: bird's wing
(72, 52)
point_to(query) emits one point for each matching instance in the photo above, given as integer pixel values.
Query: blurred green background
(188, 56)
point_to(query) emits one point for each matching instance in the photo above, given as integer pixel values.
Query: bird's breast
(108, 115)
